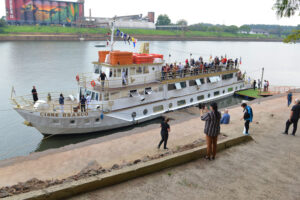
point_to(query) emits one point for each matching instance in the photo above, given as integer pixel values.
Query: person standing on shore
(294, 118)
(248, 117)
(254, 85)
(212, 129)
(165, 129)
(289, 98)
(34, 94)
(259, 84)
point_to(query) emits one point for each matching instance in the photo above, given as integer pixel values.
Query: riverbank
(103, 37)
(266, 168)
(131, 148)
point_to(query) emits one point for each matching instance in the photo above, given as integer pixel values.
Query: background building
(129, 21)
(44, 12)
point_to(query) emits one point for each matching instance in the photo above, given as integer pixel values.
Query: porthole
(170, 105)
(223, 91)
(191, 100)
(133, 115)
(208, 95)
(145, 112)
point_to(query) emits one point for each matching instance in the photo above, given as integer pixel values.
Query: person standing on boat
(212, 128)
(82, 103)
(61, 102)
(102, 78)
(34, 94)
(165, 129)
(248, 117)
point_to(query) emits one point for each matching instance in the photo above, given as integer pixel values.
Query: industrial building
(128, 22)
(44, 12)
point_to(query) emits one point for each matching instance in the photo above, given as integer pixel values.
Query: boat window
(207, 80)
(97, 120)
(191, 100)
(230, 89)
(171, 87)
(202, 81)
(134, 93)
(97, 70)
(158, 108)
(132, 70)
(148, 90)
(145, 112)
(183, 84)
(170, 105)
(72, 121)
(192, 82)
(146, 70)
(93, 96)
(115, 73)
(208, 95)
(217, 93)
(178, 86)
(97, 97)
(119, 72)
(199, 98)
(110, 73)
(227, 76)
(87, 92)
(198, 82)
(139, 70)
(181, 103)
(214, 79)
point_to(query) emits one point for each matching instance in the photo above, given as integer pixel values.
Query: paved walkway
(266, 168)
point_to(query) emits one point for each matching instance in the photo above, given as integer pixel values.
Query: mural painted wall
(43, 11)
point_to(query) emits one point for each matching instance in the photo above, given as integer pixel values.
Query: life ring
(93, 83)
(77, 77)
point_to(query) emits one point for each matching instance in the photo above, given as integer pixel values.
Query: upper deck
(120, 77)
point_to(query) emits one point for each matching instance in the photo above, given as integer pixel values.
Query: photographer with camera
(212, 128)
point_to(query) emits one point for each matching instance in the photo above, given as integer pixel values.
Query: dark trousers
(164, 139)
(247, 123)
(82, 107)
(288, 124)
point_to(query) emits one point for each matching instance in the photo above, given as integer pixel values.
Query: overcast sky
(229, 12)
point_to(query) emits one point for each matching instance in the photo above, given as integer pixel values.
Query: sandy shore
(266, 168)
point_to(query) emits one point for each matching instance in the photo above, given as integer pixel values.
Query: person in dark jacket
(165, 129)
(61, 102)
(294, 118)
(34, 94)
(212, 129)
(248, 117)
(82, 103)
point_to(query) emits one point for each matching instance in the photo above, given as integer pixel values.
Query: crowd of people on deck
(194, 67)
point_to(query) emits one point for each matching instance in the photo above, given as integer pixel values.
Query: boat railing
(49, 103)
(91, 80)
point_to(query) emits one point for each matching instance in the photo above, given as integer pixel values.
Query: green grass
(75, 30)
(250, 93)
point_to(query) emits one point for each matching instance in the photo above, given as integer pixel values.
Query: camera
(201, 106)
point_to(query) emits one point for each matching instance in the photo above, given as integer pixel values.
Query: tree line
(270, 29)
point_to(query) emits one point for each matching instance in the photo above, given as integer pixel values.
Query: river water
(52, 66)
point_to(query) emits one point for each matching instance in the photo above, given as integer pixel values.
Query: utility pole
(261, 85)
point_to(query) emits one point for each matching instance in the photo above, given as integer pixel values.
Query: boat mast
(112, 34)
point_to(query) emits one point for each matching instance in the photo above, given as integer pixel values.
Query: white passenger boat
(132, 93)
